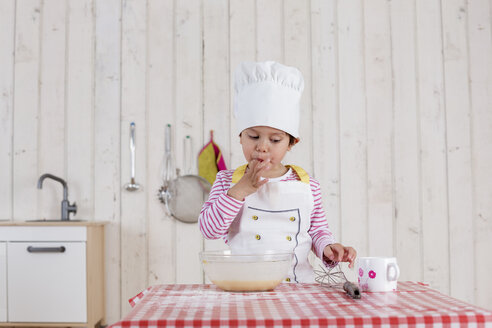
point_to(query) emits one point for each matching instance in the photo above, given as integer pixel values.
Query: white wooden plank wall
(216, 95)
(7, 35)
(433, 152)
(51, 104)
(352, 125)
(160, 99)
(480, 74)
(133, 226)
(459, 155)
(25, 113)
(406, 143)
(379, 119)
(188, 61)
(397, 123)
(106, 143)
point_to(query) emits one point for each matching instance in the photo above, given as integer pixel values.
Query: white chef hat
(268, 94)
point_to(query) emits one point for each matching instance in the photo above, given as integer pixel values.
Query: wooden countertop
(52, 223)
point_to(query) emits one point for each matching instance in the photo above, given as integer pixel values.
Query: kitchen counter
(299, 305)
(52, 274)
(53, 223)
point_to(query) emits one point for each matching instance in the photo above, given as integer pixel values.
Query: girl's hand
(339, 253)
(251, 180)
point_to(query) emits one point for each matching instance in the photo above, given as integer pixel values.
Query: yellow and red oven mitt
(210, 160)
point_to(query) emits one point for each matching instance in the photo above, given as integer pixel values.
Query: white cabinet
(37, 271)
(54, 274)
(3, 282)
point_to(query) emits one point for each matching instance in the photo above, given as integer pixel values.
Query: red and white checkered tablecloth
(299, 305)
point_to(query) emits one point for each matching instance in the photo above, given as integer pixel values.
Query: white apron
(276, 217)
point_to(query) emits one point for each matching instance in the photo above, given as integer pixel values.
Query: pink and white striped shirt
(220, 210)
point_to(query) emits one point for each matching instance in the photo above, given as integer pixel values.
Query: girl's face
(263, 143)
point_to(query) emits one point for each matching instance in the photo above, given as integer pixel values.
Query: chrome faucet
(66, 208)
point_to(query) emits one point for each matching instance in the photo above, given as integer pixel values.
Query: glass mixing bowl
(246, 272)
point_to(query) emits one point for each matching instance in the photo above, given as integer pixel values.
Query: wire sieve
(182, 196)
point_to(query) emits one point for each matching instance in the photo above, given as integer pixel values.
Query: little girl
(265, 205)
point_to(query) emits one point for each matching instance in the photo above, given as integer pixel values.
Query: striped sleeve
(319, 230)
(219, 210)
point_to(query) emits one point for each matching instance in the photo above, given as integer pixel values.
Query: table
(296, 305)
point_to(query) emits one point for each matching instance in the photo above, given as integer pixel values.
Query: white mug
(377, 274)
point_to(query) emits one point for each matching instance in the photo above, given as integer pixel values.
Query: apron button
(292, 218)
(258, 237)
(287, 279)
(255, 217)
(289, 238)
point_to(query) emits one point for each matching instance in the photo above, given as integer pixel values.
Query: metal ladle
(132, 186)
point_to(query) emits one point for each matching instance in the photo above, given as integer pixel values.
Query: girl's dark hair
(292, 140)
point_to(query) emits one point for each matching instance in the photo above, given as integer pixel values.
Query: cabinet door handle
(32, 249)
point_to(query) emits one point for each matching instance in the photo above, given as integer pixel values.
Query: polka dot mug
(377, 274)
